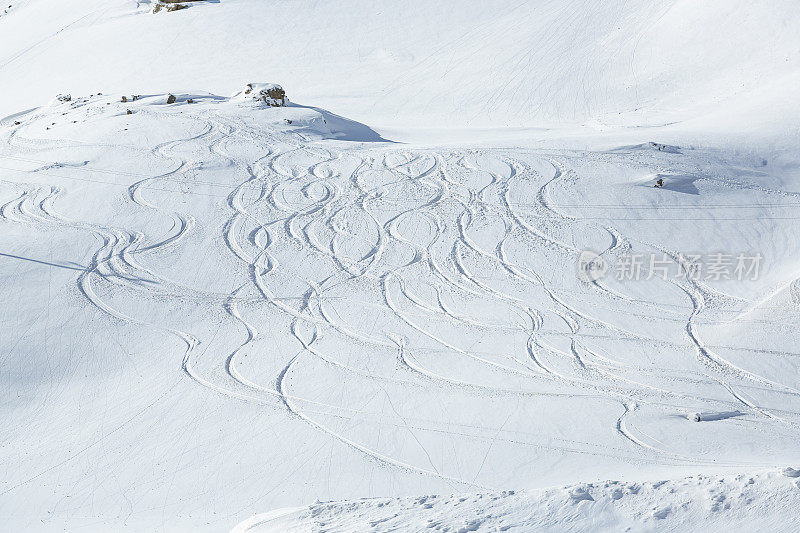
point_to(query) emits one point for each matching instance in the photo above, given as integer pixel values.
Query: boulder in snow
(790, 472)
(269, 93)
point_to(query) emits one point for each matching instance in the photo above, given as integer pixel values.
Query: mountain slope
(469, 64)
(462, 260)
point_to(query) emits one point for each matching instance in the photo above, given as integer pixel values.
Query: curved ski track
(419, 239)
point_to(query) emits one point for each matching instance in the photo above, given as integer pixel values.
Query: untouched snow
(730, 64)
(215, 309)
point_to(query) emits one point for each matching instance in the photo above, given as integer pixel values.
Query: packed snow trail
(217, 289)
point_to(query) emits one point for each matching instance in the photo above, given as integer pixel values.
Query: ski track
(325, 204)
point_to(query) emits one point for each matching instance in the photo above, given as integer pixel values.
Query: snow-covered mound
(758, 502)
(272, 110)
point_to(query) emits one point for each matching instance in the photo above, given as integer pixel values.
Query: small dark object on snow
(171, 99)
(17, 123)
(129, 112)
(697, 418)
(659, 182)
(135, 97)
(268, 93)
(124, 98)
(189, 101)
(288, 121)
(277, 94)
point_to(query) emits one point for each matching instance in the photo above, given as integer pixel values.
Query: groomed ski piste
(368, 309)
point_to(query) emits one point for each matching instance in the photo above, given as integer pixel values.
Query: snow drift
(758, 502)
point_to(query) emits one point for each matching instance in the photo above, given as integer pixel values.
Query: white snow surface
(696, 503)
(362, 311)
(726, 65)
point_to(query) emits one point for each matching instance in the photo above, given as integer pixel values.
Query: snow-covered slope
(488, 63)
(217, 306)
